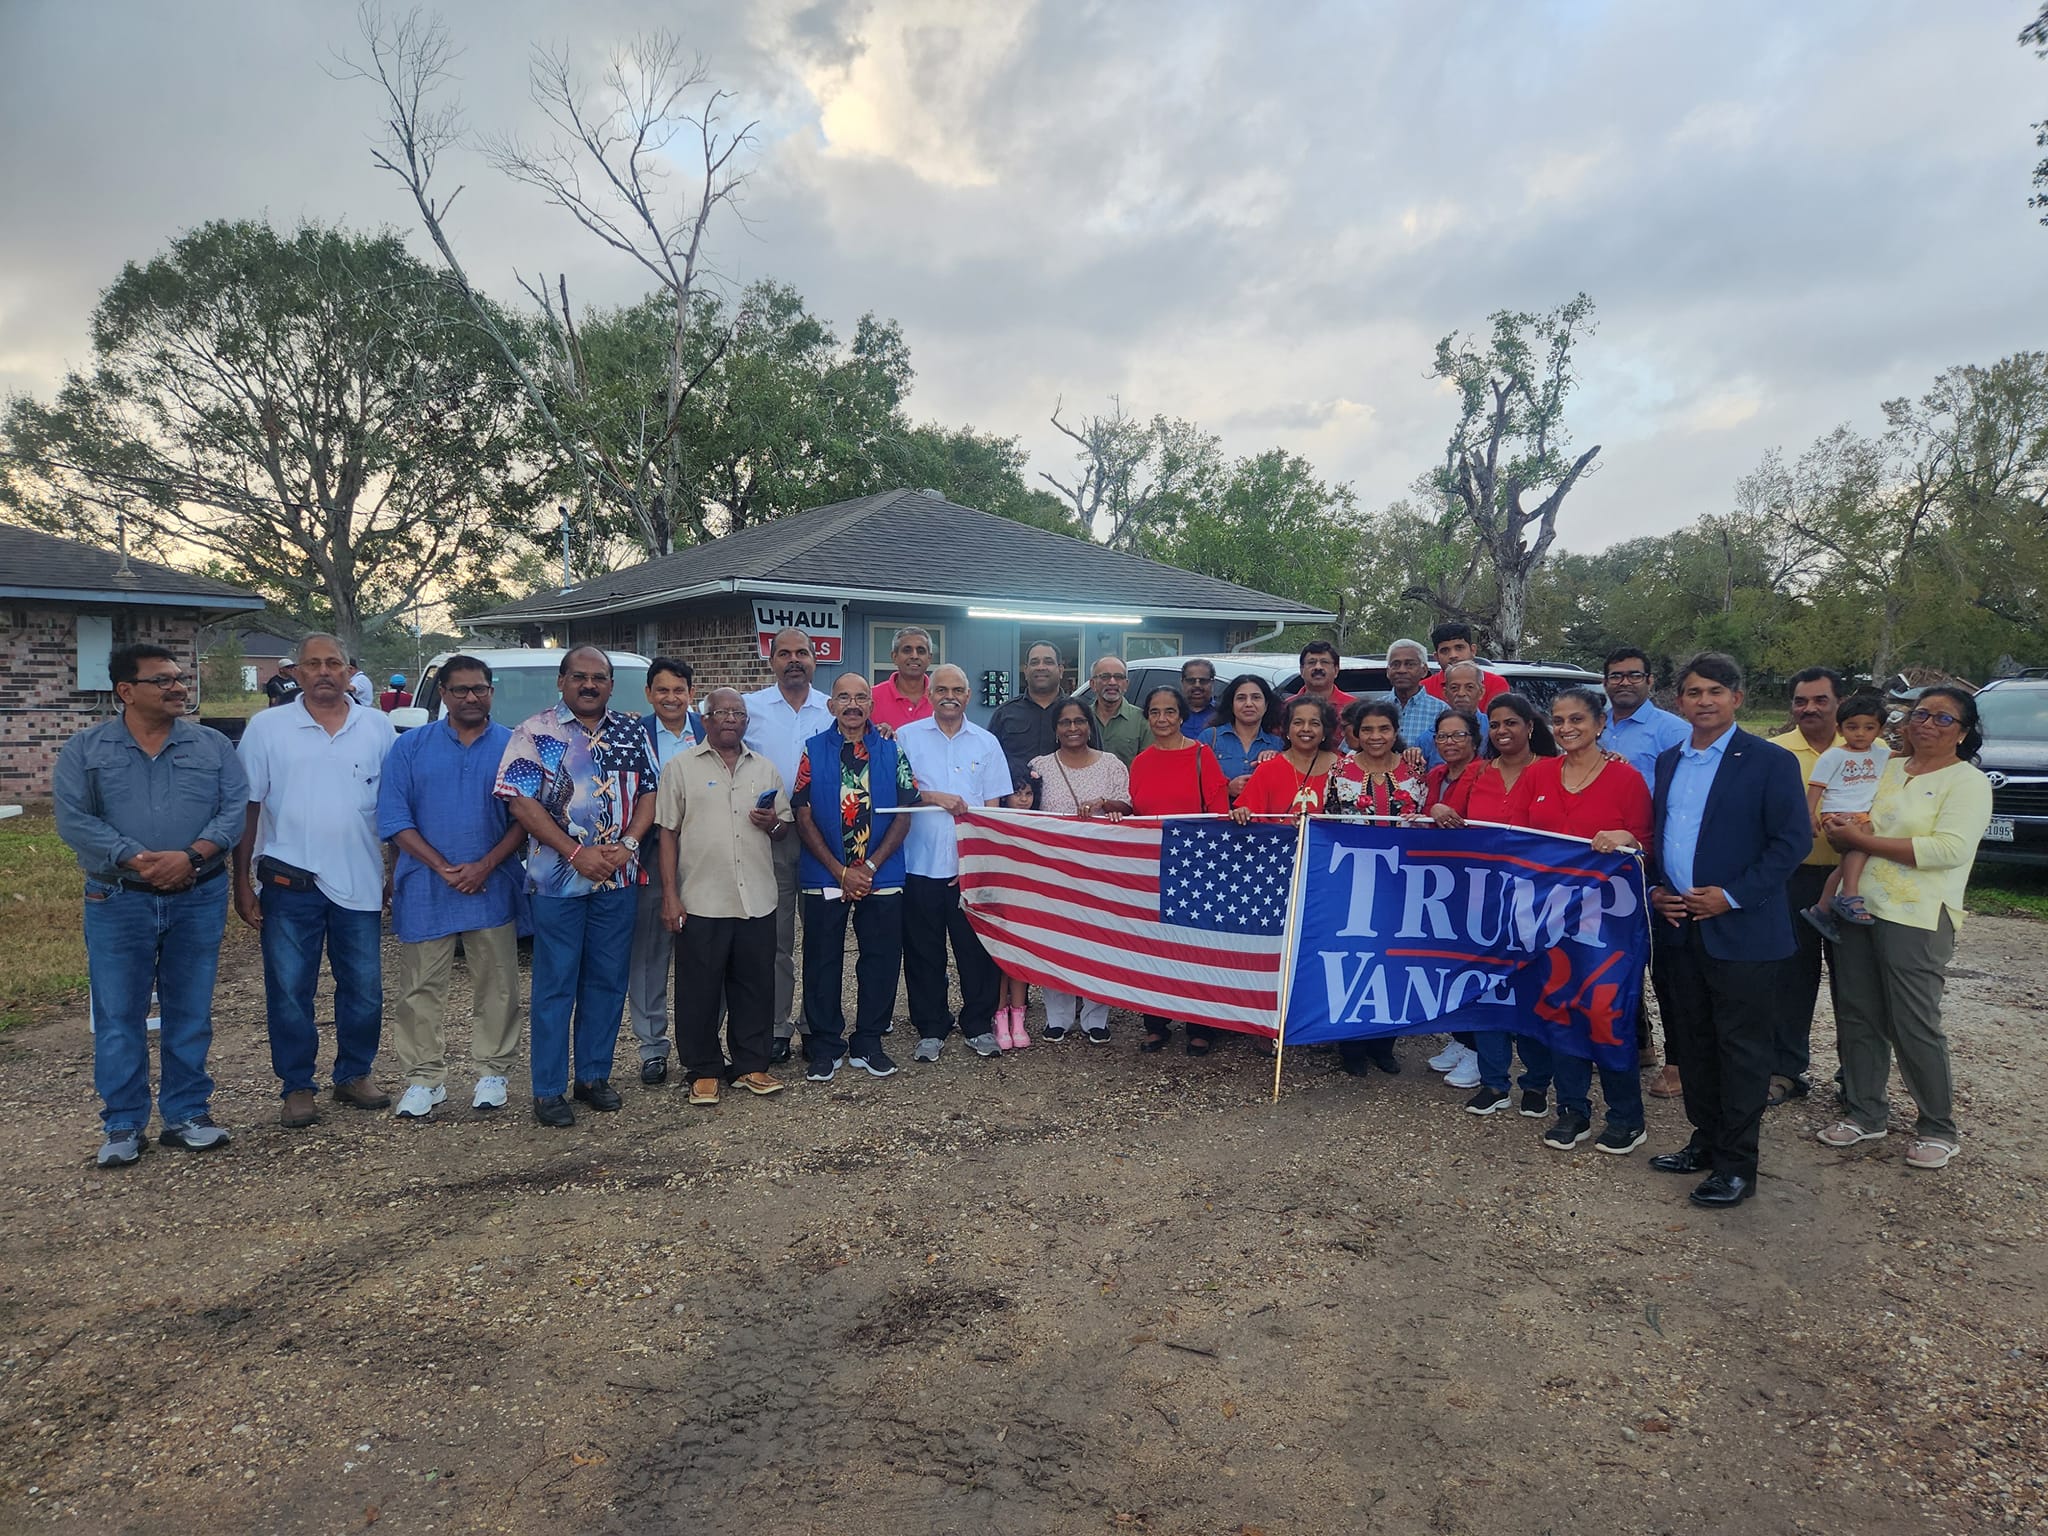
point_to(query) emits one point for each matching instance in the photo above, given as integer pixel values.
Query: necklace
(1564, 775)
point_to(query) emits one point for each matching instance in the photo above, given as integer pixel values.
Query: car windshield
(2014, 714)
(522, 692)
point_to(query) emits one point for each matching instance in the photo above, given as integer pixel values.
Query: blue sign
(1407, 930)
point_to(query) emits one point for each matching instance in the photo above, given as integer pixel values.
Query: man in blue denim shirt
(151, 802)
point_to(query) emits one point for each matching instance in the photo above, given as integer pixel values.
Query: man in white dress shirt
(958, 766)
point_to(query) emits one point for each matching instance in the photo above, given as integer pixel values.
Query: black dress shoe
(1687, 1159)
(599, 1095)
(655, 1071)
(555, 1111)
(781, 1052)
(1383, 1057)
(1722, 1189)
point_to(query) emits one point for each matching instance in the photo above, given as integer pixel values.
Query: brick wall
(41, 706)
(719, 644)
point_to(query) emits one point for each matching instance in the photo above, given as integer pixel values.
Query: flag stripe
(1074, 905)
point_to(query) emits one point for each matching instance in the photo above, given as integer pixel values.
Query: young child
(1841, 789)
(1015, 994)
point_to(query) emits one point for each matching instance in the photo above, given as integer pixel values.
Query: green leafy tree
(314, 409)
(1510, 445)
(1138, 478)
(974, 469)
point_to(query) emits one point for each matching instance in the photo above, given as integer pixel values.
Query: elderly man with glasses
(151, 802)
(1120, 722)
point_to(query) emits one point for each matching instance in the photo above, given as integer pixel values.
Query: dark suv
(2014, 712)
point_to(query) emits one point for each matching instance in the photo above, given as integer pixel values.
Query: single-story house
(851, 574)
(261, 652)
(64, 606)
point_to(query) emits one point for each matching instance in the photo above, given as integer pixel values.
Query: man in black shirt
(284, 687)
(1024, 725)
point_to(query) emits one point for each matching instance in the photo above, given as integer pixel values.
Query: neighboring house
(261, 652)
(64, 606)
(852, 573)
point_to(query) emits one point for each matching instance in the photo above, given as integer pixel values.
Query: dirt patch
(1073, 1290)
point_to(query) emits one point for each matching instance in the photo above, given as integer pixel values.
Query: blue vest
(823, 751)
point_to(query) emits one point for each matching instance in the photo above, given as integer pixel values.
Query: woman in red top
(1450, 782)
(1516, 737)
(1175, 777)
(1586, 793)
(1294, 782)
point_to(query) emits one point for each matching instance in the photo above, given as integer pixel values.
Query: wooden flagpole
(1287, 953)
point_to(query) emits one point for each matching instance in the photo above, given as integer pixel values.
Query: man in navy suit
(672, 727)
(1731, 826)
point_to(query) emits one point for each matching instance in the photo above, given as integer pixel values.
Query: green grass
(2009, 890)
(242, 704)
(43, 957)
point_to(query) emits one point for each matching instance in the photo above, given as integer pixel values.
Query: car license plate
(2000, 830)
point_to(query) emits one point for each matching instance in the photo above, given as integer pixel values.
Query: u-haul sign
(822, 618)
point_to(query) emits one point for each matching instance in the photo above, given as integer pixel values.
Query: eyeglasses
(1929, 717)
(1628, 677)
(1460, 734)
(168, 680)
(470, 690)
(726, 714)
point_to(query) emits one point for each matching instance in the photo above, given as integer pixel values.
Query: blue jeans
(1623, 1091)
(582, 951)
(296, 926)
(1497, 1047)
(135, 941)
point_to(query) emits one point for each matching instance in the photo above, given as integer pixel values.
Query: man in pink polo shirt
(907, 696)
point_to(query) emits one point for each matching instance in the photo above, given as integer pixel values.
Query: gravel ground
(1078, 1289)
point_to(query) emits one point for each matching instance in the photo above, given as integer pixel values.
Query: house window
(1144, 646)
(882, 640)
(1069, 643)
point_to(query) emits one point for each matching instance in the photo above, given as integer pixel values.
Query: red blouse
(1616, 800)
(1276, 785)
(1176, 783)
(1441, 789)
(1490, 798)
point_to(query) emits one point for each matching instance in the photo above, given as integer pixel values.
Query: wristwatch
(630, 843)
(197, 862)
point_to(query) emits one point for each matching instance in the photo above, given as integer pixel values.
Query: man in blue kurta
(456, 881)
(850, 779)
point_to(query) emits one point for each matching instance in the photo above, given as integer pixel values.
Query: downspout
(1256, 640)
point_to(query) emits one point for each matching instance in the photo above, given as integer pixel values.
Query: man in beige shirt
(724, 807)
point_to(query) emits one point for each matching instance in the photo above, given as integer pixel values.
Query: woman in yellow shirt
(1931, 810)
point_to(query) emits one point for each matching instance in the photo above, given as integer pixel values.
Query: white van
(526, 682)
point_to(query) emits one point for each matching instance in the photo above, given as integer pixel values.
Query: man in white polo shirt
(781, 720)
(958, 766)
(310, 874)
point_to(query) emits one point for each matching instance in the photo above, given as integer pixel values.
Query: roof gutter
(1258, 640)
(96, 598)
(736, 584)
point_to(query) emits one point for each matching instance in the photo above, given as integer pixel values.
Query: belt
(129, 883)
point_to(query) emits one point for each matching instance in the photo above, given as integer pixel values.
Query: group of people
(680, 845)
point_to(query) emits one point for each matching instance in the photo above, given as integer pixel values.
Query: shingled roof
(909, 546)
(41, 565)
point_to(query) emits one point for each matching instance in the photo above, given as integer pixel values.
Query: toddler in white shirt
(1840, 789)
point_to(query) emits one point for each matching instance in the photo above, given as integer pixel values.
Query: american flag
(1182, 917)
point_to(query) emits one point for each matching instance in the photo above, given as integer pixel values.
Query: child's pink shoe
(1003, 1028)
(1018, 1038)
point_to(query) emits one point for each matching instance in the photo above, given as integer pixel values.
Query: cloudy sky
(1257, 216)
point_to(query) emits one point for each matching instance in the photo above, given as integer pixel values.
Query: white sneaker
(1447, 1058)
(927, 1050)
(418, 1101)
(490, 1093)
(1466, 1073)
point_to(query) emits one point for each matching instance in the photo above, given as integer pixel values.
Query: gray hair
(909, 629)
(953, 667)
(1407, 645)
(1465, 666)
(319, 634)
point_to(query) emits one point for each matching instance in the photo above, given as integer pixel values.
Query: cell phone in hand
(767, 798)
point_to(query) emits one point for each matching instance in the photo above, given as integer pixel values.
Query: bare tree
(1136, 476)
(1510, 443)
(605, 167)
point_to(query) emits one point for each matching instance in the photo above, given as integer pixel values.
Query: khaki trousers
(420, 1024)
